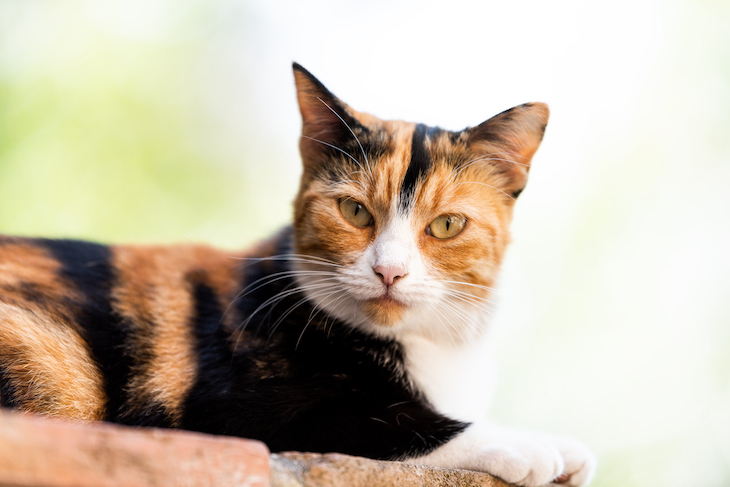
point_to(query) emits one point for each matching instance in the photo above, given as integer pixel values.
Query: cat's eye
(446, 226)
(355, 212)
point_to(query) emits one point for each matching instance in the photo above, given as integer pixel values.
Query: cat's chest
(456, 379)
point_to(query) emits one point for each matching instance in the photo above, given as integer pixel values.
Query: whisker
(480, 286)
(469, 295)
(469, 320)
(336, 148)
(443, 317)
(271, 278)
(471, 162)
(266, 280)
(316, 310)
(489, 157)
(289, 257)
(479, 306)
(273, 300)
(367, 162)
(291, 309)
(489, 186)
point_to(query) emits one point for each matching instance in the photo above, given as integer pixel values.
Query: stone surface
(292, 469)
(39, 452)
(42, 452)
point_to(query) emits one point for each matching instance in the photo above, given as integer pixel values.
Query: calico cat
(360, 329)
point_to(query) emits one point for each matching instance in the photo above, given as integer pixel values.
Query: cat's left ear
(509, 140)
(326, 121)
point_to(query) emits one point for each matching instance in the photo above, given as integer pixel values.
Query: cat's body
(361, 329)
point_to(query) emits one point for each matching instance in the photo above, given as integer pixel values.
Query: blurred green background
(163, 121)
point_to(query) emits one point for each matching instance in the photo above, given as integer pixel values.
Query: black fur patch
(87, 266)
(326, 388)
(352, 153)
(421, 163)
(7, 390)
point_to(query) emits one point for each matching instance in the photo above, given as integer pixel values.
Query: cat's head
(403, 226)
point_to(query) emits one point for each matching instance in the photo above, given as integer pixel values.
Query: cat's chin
(384, 311)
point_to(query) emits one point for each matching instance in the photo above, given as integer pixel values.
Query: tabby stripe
(211, 339)
(88, 267)
(420, 163)
(215, 376)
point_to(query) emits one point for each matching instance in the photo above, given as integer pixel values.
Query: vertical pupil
(448, 223)
(357, 209)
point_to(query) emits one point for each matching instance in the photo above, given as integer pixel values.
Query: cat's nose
(389, 274)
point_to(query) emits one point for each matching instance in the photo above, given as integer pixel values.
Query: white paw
(580, 463)
(525, 459)
(529, 464)
(533, 460)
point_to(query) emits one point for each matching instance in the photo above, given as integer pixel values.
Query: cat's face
(402, 227)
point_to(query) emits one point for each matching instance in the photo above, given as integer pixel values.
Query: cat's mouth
(387, 299)
(385, 310)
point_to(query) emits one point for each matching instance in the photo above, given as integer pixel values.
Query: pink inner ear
(517, 131)
(318, 107)
(316, 117)
(511, 138)
(323, 129)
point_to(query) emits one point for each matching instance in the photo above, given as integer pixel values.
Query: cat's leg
(522, 458)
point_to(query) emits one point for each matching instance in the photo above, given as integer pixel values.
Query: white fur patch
(447, 358)
(456, 378)
(523, 458)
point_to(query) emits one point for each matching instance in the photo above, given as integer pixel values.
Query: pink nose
(389, 274)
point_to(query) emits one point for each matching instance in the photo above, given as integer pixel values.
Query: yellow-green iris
(355, 212)
(446, 226)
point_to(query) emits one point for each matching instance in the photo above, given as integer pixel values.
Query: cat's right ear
(509, 140)
(326, 121)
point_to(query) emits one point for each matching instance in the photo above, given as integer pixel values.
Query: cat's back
(92, 331)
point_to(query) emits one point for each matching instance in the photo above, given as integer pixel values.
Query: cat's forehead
(399, 157)
(429, 147)
(402, 167)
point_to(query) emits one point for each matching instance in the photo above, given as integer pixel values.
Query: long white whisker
(470, 295)
(367, 162)
(336, 148)
(273, 300)
(314, 286)
(480, 286)
(315, 311)
(291, 309)
(467, 300)
(292, 257)
(471, 162)
(468, 320)
(489, 186)
(266, 280)
(444, 320)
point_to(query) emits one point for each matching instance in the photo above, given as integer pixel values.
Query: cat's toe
(529, 466)
(580, 464)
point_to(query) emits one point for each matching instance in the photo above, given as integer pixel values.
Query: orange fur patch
(384, 312)
(49, 365)
(28, 273)
(153, 293)
(47, 362)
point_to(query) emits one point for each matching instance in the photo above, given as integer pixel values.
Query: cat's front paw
(533, 460)
(525, 459)
(580, 463)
